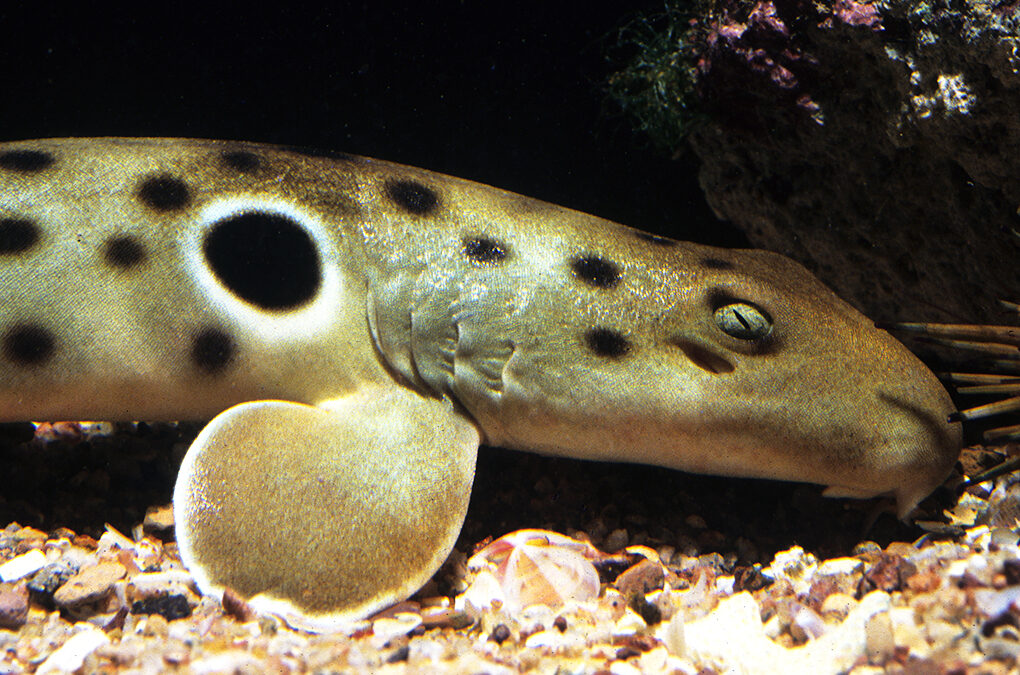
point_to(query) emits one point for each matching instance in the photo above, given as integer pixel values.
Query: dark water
(509, 94)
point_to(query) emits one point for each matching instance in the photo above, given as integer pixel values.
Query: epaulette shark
(355, 329)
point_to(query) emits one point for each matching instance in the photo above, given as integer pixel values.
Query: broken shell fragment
(539, 567)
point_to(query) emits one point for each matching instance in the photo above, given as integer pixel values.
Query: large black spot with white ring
(17, 235)
(596, 271)
(266, 259)
(212, 350)
(28, 344)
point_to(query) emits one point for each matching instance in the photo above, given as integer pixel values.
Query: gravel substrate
(665, 572)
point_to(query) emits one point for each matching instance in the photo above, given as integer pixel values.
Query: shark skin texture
(354, 329)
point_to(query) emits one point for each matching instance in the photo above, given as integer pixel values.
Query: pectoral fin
(334, 511)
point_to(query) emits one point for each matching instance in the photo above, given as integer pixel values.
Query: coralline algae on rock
(877, 142)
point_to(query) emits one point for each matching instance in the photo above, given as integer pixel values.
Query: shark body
(355, 329)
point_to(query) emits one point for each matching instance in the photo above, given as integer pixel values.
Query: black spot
(320, 153)
(27, 161)
(28, 344)
(485, 251)
(412, 196)
(241, 161)
(124, 251)
(266, 259)
(607, 342)
(656, 239)
(596, 271)
(717, 263)
(17, 235)
(211, 350)
(164, 193)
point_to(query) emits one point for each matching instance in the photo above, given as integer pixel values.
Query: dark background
(510, 94)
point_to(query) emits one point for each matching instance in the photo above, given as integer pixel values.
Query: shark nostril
(704, 358)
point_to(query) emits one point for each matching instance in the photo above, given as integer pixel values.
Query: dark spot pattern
(26, 161)
(596, 271)
(124, 251)
(17, 235)
(717, 263)
(485, 251)
(241, 161)
(212, 350)
(607, 342)
(266, 259)
(28, 344)
(412, 196)
(656, 239)
(164, 193)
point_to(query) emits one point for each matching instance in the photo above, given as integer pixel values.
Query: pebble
(90, 584)
(71, 655)
(838, 605)
(840, 566)
(169, 606)
(236, 607)
(889, 573)
(616, 540)
(159, 518)
(49, 579)
(445, 617)
(935, 626)
(879, 641)
(29, 533)
(641, 578)
(22, 565)
(500, 634)
(387, 629)
(13, 605)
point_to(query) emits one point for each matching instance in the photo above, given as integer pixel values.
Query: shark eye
(743, 320)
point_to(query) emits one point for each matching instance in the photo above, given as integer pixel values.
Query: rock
(170, 606)
(878, 143)
(732, 639)
(888, 574)
(641, 578)
(90, 584)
